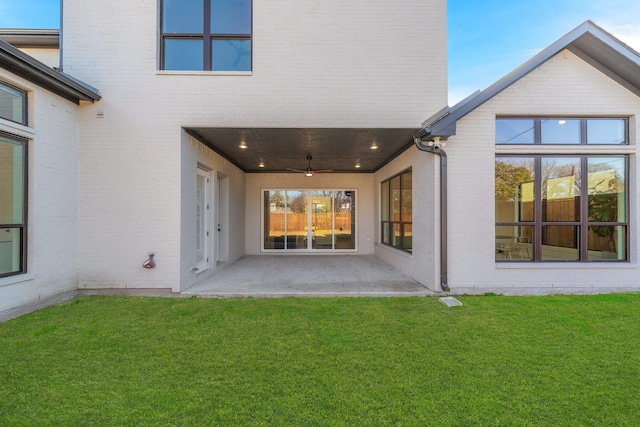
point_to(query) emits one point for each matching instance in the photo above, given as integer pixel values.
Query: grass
(560, 360)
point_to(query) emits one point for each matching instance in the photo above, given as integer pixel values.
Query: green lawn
(560, 360)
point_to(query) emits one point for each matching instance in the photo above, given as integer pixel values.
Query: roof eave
(626, 73)
(18, 62)
(31, 38)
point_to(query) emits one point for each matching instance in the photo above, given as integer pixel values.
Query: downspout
(435, 147)
(60, 44)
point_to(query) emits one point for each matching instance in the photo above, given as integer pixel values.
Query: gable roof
(29, 68)
(588, 41)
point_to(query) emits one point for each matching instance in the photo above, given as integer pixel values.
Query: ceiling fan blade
(296, 170)
(322, 170)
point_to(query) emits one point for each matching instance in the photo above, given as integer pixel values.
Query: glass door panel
(274, 219)
(297, 219)
(345, 220)
(321, 220)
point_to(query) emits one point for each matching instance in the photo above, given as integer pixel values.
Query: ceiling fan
(309, 171)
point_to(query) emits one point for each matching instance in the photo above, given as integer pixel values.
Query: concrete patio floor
(308, 276)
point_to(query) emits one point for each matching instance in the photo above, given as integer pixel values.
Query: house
(39, 142)
(211, 122)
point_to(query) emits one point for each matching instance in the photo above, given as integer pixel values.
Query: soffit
(617, 61)
(338, 149)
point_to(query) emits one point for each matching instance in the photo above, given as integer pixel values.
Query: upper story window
(558, 130)
(396, 224)
(210, 35)
(13, 104)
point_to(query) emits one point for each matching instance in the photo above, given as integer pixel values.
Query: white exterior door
(202, 221)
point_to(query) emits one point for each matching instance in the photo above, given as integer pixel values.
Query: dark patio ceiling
(331, 148)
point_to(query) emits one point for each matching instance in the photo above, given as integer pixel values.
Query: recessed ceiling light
(261, 165)
(357, 165)
(243, 145)
(374, 146)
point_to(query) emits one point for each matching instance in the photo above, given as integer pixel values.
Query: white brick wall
(565, 85)
(316, 64)
(423, 264)
(52, 198)
(194, 155)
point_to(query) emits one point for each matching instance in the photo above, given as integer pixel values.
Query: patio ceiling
(337, 149)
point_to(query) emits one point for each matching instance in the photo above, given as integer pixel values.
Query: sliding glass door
(309, 220)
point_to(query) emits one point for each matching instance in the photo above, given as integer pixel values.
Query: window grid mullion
(537, 206)
(583, 132)
(400, 220)
(584, 203)
(206, 42)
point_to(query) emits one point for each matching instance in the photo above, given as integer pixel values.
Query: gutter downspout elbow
(434, 147)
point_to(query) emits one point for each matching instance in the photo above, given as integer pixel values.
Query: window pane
(385, 201)
(607, 242)
(514, 242)
(560, 131)
(231, 16)
(274, 212)
(407, 237)
(231, 55)
(406, 197)
(395, 199)
(385, 233)
(606, 131)
(322, 220)
(183, 54)
(397, 241)
(514, 189)
(297, 222)
(12, 104)
(560, 242)
(10, 250)
(200, 218)
(345, 220)
(12, 175)
(514, 131)
(560, 188)
(607, 188)
(183, 16)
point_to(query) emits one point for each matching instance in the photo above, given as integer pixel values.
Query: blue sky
(486, 38)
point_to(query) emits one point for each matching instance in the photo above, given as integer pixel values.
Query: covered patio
(307, 276)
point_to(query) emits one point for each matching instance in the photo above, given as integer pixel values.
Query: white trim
(16, 129)
(19, 278)
(202, 73)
